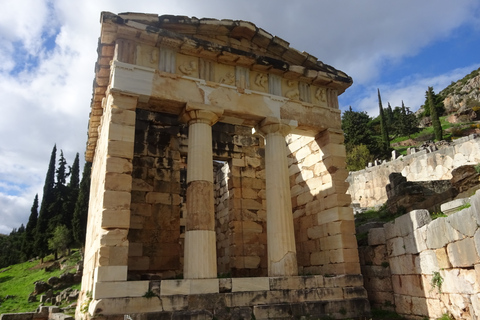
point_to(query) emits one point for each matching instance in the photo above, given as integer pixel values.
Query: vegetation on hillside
(18, 281)
(56, 224)
(398, 128)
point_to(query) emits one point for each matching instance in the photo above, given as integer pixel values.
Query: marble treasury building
(218, 180)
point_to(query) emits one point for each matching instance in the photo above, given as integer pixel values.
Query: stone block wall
(324, 224)
(424, 268)
(367, 187)
(158, 211)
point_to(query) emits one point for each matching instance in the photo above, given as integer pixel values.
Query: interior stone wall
(158, 196)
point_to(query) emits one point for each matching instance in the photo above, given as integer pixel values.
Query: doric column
(200, 258)
(282, 254)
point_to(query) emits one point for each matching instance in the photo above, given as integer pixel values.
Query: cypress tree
(29, 238)
(383, 125)
(437, 126)
(72, 192)
(45, 215)
(60, 191)
(81, 206)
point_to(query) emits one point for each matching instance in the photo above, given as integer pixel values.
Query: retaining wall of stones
(423, 268)
(367, 187)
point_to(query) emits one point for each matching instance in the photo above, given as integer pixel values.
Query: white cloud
(410, 90)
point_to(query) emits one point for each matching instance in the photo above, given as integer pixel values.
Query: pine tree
(81, 207)
(383, 126)
(29, 238)
(45, 215)
(437, 127)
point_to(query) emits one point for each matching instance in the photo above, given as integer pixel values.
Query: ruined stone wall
(324, 226)
(367, 187)
(423, 268)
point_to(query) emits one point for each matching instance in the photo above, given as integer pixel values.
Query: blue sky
(48, 53)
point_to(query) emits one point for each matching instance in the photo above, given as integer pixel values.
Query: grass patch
(380, 215)
(437, 215)
(18, 281)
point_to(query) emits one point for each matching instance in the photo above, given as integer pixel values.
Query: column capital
(200, 113)
(276, 125)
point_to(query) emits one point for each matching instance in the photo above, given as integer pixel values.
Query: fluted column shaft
(200, 258)
(282, 255)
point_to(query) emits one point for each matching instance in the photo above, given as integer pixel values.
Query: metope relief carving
(292, 93)
(228, 78)
(188, 67)
(261, 81)
(321, 95)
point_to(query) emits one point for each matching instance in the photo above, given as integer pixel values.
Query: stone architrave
(282, 254)
(200, 241)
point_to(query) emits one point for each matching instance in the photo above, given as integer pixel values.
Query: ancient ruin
(218, 179)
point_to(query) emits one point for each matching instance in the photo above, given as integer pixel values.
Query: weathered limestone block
(334, 214)
(376, 236)
(117, 289)
(420, 238)
(404, 264)
(406, 224)
(475, 206)
(440, 232)
(130, 305)
(113, 256)
(111, 219)
(375, 256)
(110, 273)
(395, 247)
(442, 258)
(428, 262)
(120, 132)
(338, 241)
(459, 281)
(462, 253)
(119, 165)
(116, 200)
(250, 284)
(434, 307)
(343, 255)
(114, 237)
(120, 149)
(375, 284)
(344, 280)
(403, 304)
(458, 222)
(380, 272)
(419, 306)
(139, 263)
(410, 285)
(410, 244)
(123, 117)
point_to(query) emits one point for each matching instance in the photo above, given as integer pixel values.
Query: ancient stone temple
(218, 178)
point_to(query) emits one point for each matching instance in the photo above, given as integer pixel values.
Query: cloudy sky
(48, 52)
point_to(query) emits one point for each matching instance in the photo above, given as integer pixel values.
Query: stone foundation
(340, 297)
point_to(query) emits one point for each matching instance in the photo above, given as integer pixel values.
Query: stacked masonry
(426, 268)
(325, 237)
(367, 187)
